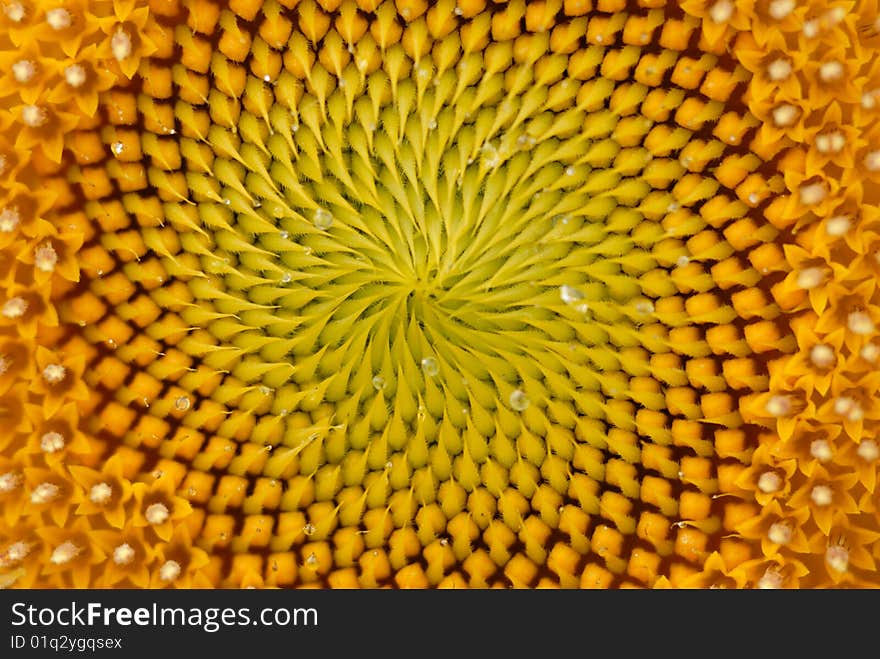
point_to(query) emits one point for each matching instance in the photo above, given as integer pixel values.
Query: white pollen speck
(100, 493)
(682, 261)
(14, 307)
(54, 373)
(872, 161)
(810, 278)
(9, 219)
(45, 257)
(75, 75)
(721, 11)
(64, 553)
(182, 403)
(830, 142)
(838, 226)
(16, 552)
(169, 571)
(843, 405)
(778, 405)
(837, 558)
(870, 352)
(14, 11)
(784, 115)
(868, 450)
(821, 450)
(822, 355)
(822, 495)
(811, 29)
(836, 14)
(23, 71)
(812, 193)
(831, 71)
(118, 147)
(779, 9)
(44, 493)
(123, 554)
(33, 116)
(58, 18)
(769, 482)
(120, 44)
(9, 481)
(860, 323)
(51, 442)
(779, 533)
(157, 513)
(779, 69)
(770, 580)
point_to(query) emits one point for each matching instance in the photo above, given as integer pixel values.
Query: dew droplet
(570, 294)
(323, 219)
(182, 403)
(430, 367)
(519, 401)
(645, 307)
(378, 383)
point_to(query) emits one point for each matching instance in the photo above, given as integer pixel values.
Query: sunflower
(487, 293)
